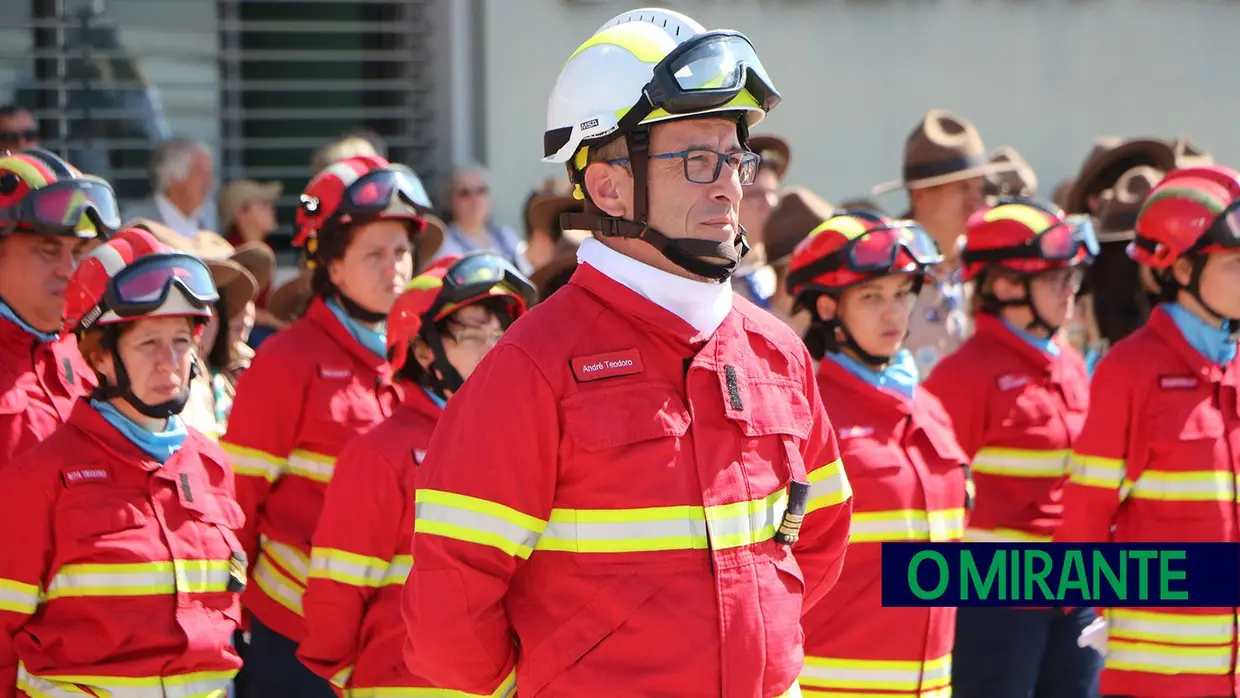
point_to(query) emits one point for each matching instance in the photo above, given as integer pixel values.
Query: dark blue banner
(1061, 574)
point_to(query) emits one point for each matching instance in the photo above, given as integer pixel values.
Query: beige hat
(1119, 205)
(943, 148)
(1013, 176)
(240, 192)
(798, 212)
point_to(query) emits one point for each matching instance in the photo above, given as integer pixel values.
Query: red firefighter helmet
(1190, 210)
(1026, 237)
(133, 276)
(853, 246)
(41, 193)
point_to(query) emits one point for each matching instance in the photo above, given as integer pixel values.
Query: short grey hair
(171, 160)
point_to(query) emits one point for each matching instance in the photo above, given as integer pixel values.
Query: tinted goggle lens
(719, 65)
(149, 282)
(64, 203)
(374, 190)
(879, 247)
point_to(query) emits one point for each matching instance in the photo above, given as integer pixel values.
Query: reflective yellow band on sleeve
(506, 689)
(1002, 535)
(398, 570)
(1170, 628)
(276, 585)
(310, 465)
(251, 462)
(474, 520)
(288, 558)
(828, 486)
(1191, 486)
(876, 677)
(18, 597)
(1155, 658)
(1019, 462)
(941, 525)
(202, 684)
(341, 679)
(1096, 471)
(347, 568)
(139, 579)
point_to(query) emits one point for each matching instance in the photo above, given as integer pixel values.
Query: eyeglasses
(1063, 278)
(19, 136)
(467, 192)
(478, 337)
(703, 166)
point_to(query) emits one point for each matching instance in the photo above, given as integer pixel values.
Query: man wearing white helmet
(663, 497)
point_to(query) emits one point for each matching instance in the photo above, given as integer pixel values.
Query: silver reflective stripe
(253, 462)
(1096, 471)
(488, 529)
(1140, 656)
(1170, 628)
(1014, 462)
(1208, 485)
(312, 466)
(565, 532)
(398, 571)
(745, 523)
(288, 558)
(205, 684)
(18, 597)
(828, 486)
(346, 567)
(139, 579)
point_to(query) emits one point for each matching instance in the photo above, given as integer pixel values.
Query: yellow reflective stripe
(828, 486)
(745, 523)
(630, 38)
(292, 560)
(253, 462)
(942, 525)
(1096, 471)
(1002, 535)
(506, 688)
(1170, 628)
(201, 684)
(1153, 658)
(398, 570)
(906, 677)
(276, 585)
(347, 568)
(18, 597)
(1193, 486)
(474, 520)
(342, 677)
(139, 579)
(311, 465)
(808, 692)
(1020, 462)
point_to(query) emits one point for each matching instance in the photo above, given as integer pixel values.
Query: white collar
(175, 218)
(702, 304)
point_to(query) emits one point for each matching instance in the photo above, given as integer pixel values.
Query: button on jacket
(39, 382)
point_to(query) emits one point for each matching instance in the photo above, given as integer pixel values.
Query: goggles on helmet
(875, 250)
(705, 72)
(474, 276)
(1224, 231)
(372, 193)
(144, 286)
(58, 208)
(1062, 242)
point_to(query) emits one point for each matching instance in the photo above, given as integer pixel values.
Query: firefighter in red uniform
(312, 388)
(1157, 461)
(858, 274)
(124, 571)
(1017, 395)
(49, 212)
(439, 329)
(656, 495)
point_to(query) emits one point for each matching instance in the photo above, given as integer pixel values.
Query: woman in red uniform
(439, 330)
(314, 387)
(1017, 395)
(858, 274)
(122, 572)
(1156, 462)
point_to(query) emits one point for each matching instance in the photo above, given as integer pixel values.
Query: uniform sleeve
(1101, 458)
(963, 401)
(354, 553)
(24, 507)
(828, 515)
(484, 496)
(261, 429)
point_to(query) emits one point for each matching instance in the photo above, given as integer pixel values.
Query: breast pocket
(775, 420)
(93, 518)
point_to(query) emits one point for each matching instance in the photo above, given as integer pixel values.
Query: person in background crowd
(544, 235)
(945, 165)
(661, 427)
(1017, 394)
(469, 221)
(125, 578)
(862, 203)
(1155, 462)
(1012, 176)
(18, 128)
(315, 386)
(798, 212)
(754, 279)
(248, 215)
(858, 274)
(41, 372)
(438, 331)
(1111, 157)
(182, 178)
(343, 148)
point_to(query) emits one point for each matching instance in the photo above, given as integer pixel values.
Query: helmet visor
(60, 208)
(1064, 240)
(143, 286)
(878, 248)
(372, 193)
(707, 72)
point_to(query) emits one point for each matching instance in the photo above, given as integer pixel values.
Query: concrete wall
(1045, 76)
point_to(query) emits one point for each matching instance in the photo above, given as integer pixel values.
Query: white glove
(1095, 635)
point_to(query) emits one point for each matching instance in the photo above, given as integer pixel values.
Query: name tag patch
(81, 476)
(1012, 381)
(334, 372)
(1177, 382)
(609, 365)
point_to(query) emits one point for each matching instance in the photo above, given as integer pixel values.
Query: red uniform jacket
(1017, 411)
(1158, 462)
(910, 483)
(39, 382)
(617, 516)
(119, 576)
(360, 558)
(311, 389)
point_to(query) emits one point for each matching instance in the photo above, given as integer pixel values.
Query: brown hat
(237, 286)
(775, 152)
(256, 257)
(1014, 176)
(431, 238)
(238, 193)
(543, 209)
(289, 300)
(565, 259)
(1060, 197)
(943, 148)
(1119, 205)
(798, 212)
(1111, 157)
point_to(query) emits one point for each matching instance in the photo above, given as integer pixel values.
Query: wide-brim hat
(236, 285)
(544, 209)
(239, 192)
(565, 259)
(765, 143)
(797, 212)
(256, 257)
(942, 148)
(1111, 157)
(1012, 176)
(431, 238)
(1119, 205)
(289, 301)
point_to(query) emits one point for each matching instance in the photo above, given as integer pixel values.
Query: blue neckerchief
(899, 376)
(440, 402)
(157, 445)
(1214, 343)
(374, 340)
(1046, 345)
(1092, 357)
(7, 313)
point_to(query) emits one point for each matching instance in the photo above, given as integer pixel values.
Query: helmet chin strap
(994, 304)
(444, 377)
(1194, 289)
(357, 312)
(124, 390)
